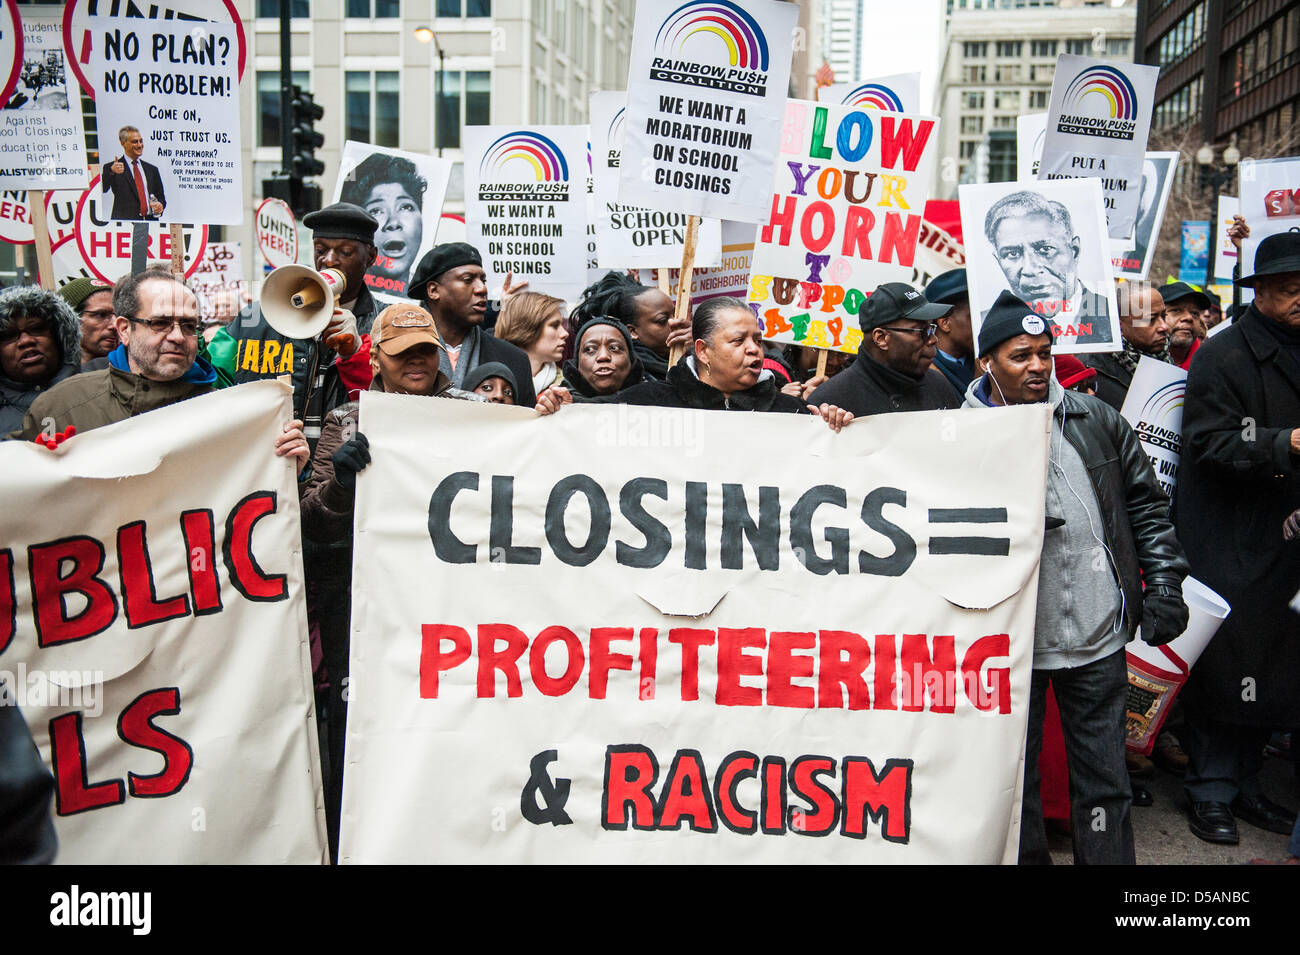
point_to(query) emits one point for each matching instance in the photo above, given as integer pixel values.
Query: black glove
(349, 460)
(1164, 615)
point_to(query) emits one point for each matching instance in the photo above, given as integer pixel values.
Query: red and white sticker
(277, 233)
(11, 49)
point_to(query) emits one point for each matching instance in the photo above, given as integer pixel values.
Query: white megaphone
(298, 301)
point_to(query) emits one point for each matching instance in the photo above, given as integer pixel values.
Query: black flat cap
(438, 260)
(948, 288)
(1008, 318)
(1176, 291)
(895, 300)
(1275, 255)
(342, 220)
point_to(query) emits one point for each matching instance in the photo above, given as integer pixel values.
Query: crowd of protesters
(91, 355)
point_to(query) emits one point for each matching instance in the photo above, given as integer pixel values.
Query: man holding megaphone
(278, 335)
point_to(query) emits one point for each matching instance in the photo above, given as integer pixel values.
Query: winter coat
(1237, 482)
(16, 397)
(684, 390)
(867, 387)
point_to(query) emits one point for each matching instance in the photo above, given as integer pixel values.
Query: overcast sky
(903, 36)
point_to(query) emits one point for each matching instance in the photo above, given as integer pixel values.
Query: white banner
(1098, 121)
(731, 277)
(1031, 129)
(43, 136)
(402, 191)
(628, 237)
(896, 93)
(670, 655)
(1154, 407)
(526, 205)
(177, 83)
(158, 646)
(706, 91)
(1270, 198)
(1131, 258)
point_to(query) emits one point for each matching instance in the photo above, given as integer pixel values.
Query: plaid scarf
(1130, 355)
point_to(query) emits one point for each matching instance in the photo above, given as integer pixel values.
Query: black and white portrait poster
(1046, 242)
(1131, 259)
(403, 191)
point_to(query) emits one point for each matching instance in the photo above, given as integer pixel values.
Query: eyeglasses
(163, 326)
(14, 332)
(927, 330)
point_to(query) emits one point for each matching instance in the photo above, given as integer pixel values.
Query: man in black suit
(1038, 251)
(128, 176)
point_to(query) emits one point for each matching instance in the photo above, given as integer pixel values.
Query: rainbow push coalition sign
(899, 93)
(522, 211)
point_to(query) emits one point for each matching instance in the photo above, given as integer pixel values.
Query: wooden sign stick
(664, 278)
(822, 355)
(44, 260)
(178, 250)
(683, 309)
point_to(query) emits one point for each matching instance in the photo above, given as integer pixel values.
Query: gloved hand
(349, 460)
(1164, 615)
(58, 439)
(341, 333)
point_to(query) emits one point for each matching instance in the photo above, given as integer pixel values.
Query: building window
(968, 148)
(465, 8)
(374, 9)
(1043, 48)
(1117, 47)
(1038, 99)
(1004, 122)
(972, 124)
(466, 101)
(1078, 47)
(371, 107)
(974, 100)
(1007, 100)
(1009, 47)
(298, 9)
(1183, 37)
(1007, 73)
(973, 51)
(268, 104)
(974, 74)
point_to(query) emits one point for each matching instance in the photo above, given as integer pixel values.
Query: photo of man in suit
(1037, 249)
(136, 185)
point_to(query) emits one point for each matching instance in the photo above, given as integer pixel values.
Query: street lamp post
(426, 35)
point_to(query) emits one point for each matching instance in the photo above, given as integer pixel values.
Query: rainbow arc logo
(539, 152)
(733, 27)
(873, 96)
(1110, 87)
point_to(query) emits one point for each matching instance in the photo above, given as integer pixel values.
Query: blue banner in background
(1194, 263)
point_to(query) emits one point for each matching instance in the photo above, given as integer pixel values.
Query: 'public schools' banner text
(678, 651)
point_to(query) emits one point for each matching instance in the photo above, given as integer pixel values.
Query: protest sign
(402, 191)
(1046, 243)
(16, 218)
(936, 252)
(219, 281)
(628, 237)
(11, 48)
(1270, 196)
(594, 271)
(1194, 258)
(1225, 252)
(1154, 407)
(168, 89)
(1031, 129)
(67, 262)
(1098, 121)
(526, 207)
(897, 93)
(847, 200)
(105, 243)
(43, 138)
(706, 89)
(1131, 258)
(277, 233)
(77, 39)
(684, 628)
(729, 278)
(158, 646)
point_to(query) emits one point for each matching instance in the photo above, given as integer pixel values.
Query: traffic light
(306, 140)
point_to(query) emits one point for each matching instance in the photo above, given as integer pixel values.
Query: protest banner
(77, 39)
(1046, 243)
(1131, 258)
(1224, 262)
(168, 89)
(277, 233)
(526, 207)
(105, 243)
(737, 614)
(706, 90)
(896, 93)
(845, 215)
(1154, 407)
(1194, 257)
(43, 135)
(1098, 120)
(628, 237)
(936, 252)
(219, 281)
(158, 647)
(1270, 196)
(402, 191)
(729, 278)
(1031, 129)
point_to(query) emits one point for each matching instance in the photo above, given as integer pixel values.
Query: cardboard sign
(526, 206)
(845, 216)
(1131, 258)
(105, 243)
(402, 191)
(1046, 243)
(628, 237)
(1154, 407)
(729, 278)
(219, 281)
(705, 655)
(167, 109)
(1099, 118)
(42, 138)
(277, 233)
(158, 647)
(1225, 253)
(706, 90)
(896, 93)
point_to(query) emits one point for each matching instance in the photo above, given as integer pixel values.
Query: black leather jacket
(1134, 509)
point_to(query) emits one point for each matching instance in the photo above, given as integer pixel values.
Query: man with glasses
(893, 369)
(39, 347)
(92, 300)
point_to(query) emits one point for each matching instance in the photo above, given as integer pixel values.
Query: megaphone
(298, 301)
